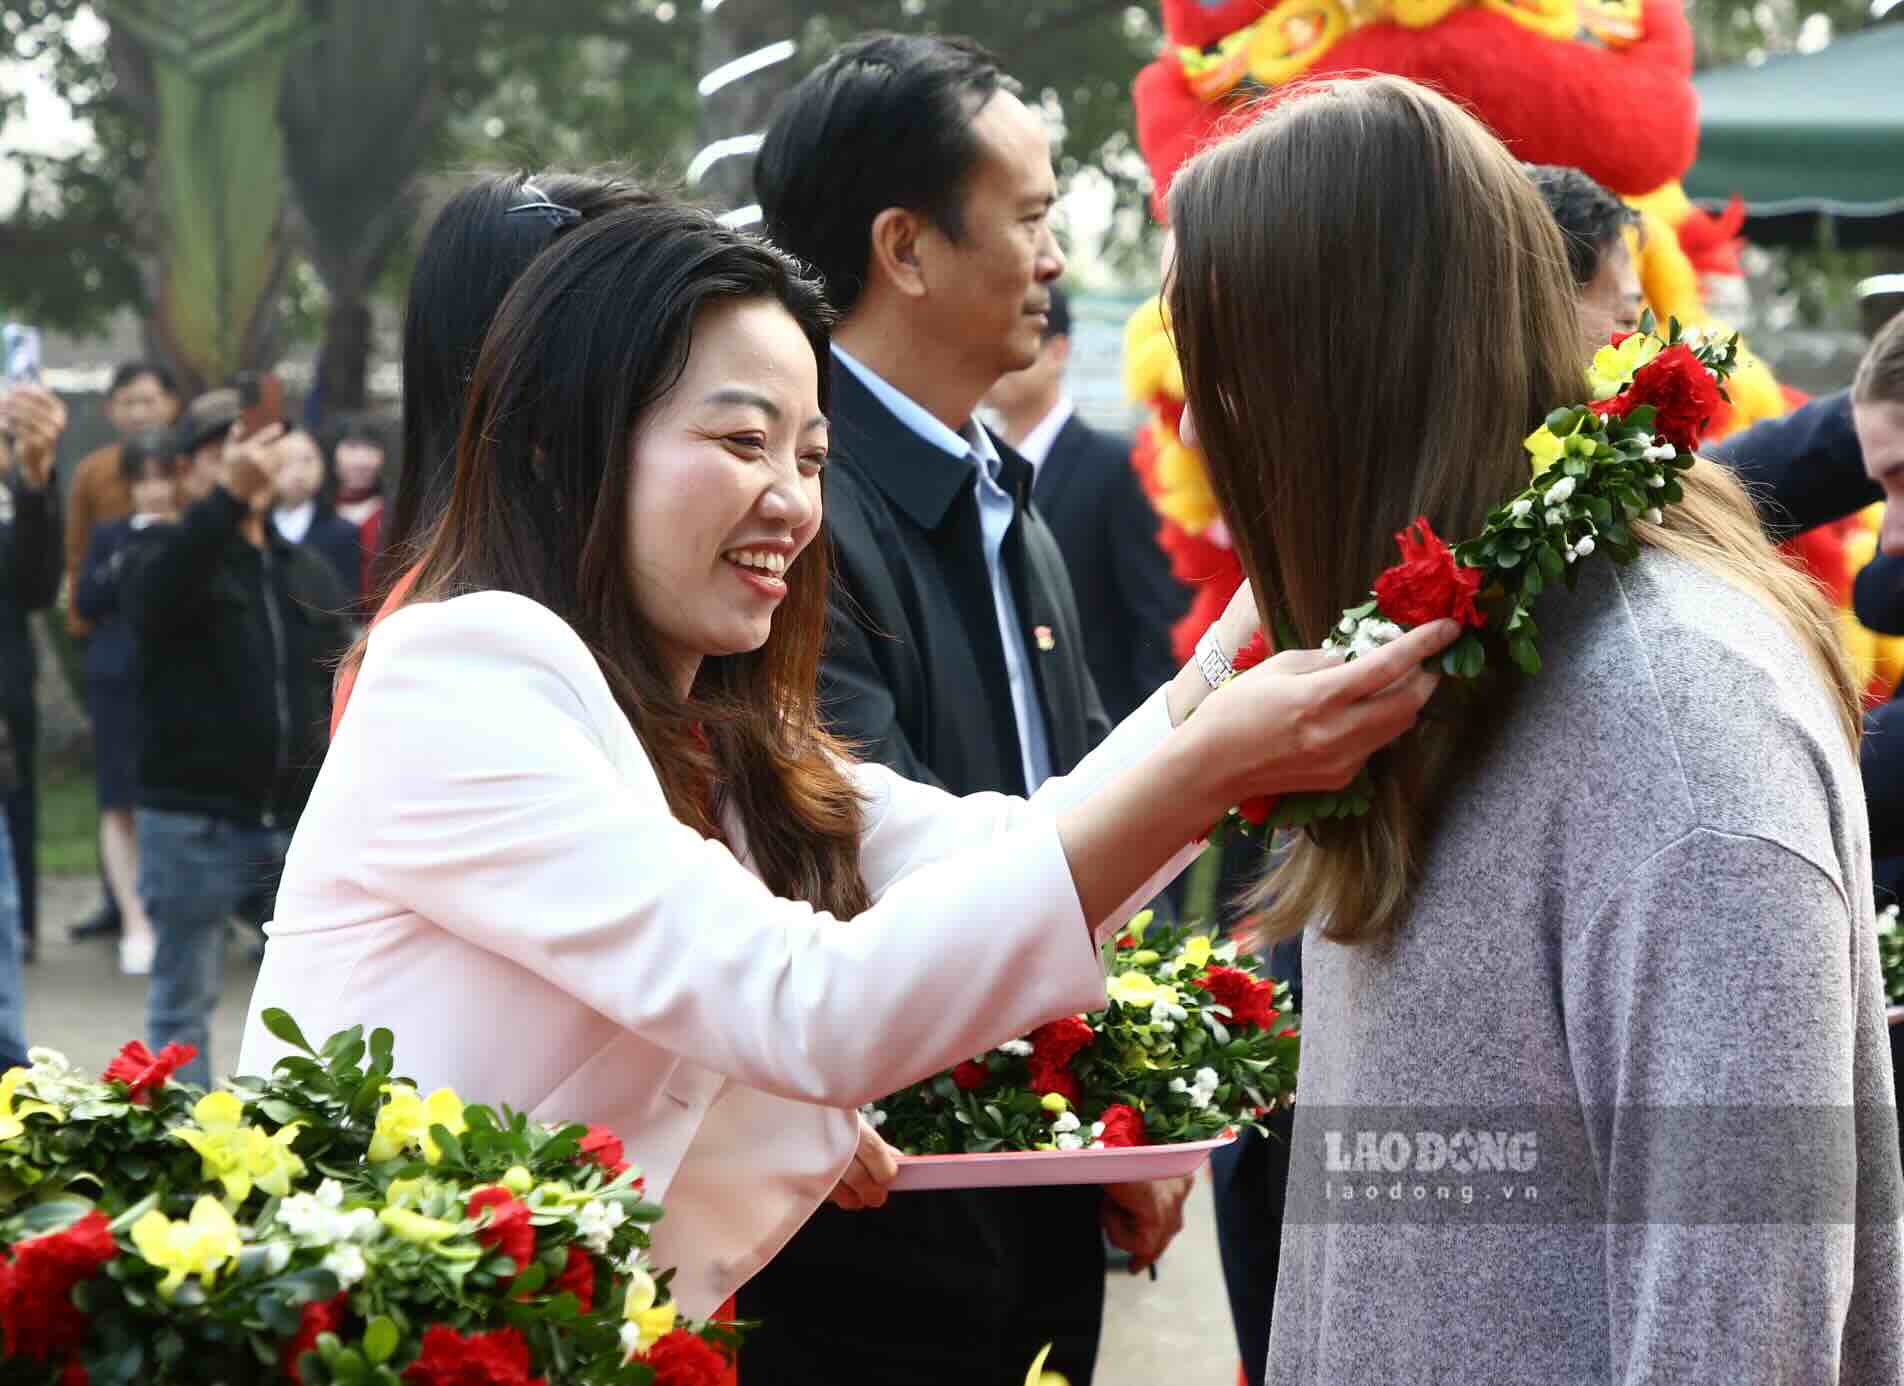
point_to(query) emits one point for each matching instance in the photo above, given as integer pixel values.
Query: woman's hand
(1304, 720)
(249, 470)
(873, 1168)
(1143, 1219)
(36, 417)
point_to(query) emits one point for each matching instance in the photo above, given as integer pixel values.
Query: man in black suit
(908, 173)
(1085, 488)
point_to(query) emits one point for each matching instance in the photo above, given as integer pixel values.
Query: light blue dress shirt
(995, 511)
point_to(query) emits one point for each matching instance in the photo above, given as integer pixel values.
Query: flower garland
(326, 1226)
(1598, 468)
(1191, 1042)
(1891, 955)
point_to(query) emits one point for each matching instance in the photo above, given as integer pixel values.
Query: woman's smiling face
(724, 484)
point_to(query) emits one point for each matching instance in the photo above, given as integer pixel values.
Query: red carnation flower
(37, 1313)
(1058, 1043)
(143, 1072)
(1123, 1126)
(603, 1146)
(682, 1358)
(1428, 584)
(1256, 811)
(1683, 394)
(75, 1374)
(1255, 650)
(578, 1278)
(448, 1358)
(1126, 941)
(508, 1229)
(1047, 1078)
(970, 1075)
(1249, 1001)
(319, 1316)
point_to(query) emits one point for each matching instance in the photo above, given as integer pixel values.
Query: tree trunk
(743, 107)
(343, 365)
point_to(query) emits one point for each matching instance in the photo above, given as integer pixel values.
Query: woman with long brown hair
(1592, 986)
(583, 841)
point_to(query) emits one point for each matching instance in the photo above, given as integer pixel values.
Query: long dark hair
(474, 251)
(585, 344)
(1364, 348)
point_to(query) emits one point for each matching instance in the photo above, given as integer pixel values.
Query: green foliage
(1891, 955)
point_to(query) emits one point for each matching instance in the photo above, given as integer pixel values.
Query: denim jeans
(12, 983)
(194, 870)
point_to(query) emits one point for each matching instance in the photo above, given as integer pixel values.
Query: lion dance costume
(1544, 75)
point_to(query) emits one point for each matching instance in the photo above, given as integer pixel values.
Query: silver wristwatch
(1212, 663)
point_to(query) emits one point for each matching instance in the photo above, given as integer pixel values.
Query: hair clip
(556, 214)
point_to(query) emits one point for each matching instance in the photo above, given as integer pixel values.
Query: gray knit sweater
(1617, 1105)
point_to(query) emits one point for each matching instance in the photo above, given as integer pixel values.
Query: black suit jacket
(30, 569)
(966, 1285)
(1088, 493)
(1804, 468)
(915, 670)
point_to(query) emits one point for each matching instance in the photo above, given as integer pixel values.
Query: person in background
(1594, 224)
(1086, 490)
(956, 654)
(238, 631)
(357, 458)
(32, 418)
(140, 398)
(302, 512)
(146, 466)
(12, 980)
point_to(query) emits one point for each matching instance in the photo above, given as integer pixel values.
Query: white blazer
(489, 868)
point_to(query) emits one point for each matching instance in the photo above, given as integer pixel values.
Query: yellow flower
(1038, 1376)
(203, 1245)
(652, 1322)
(1135, 989)
(1545, 447)
(1142, 957)
(404, 1122)
(1139, 923)
(1613, 366)
(239, 1156)
(414, 1227)
(13, 1118)
(1195, 955)
(1055, 1103)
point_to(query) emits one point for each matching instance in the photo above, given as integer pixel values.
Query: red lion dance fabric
(1600, 85)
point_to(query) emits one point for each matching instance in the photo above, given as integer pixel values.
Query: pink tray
(1024, 1168)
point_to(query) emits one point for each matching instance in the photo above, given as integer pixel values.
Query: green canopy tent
(1802, 136)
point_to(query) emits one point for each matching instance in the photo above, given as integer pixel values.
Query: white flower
(1018, 1049)
(1653, 516)
(277, 1255)
(1097, 1129)
(595, 1225)
(358, 1225)
(1372, 634)
(1521, 508)
(1347, 625)
(1584, 545)
(347, 1264)
(1571, 555)
(1067, 1121)
(1557, 516)
(874, 1116)
(1887, 919)
(1661, 452)
(1070, 1142)
(1561, 491)
(1178, 1085)
(1658, 483)
(1645, 440)
(630, 1340)
(331, 1194)
(306, 1218)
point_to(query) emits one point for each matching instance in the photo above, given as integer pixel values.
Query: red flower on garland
(1046, 1078)
(1427, 585)
(682, 1358)
(970, 1075)
(508, 1229)
(448, 1358)
(1682, 392)
(74, 1374)
(1059, 1042)
(144, 1072)
(319, 1316)
(37, 1313)
(1250, 1002)
(578, 1278)
(603, 1146)
(1123, 1126)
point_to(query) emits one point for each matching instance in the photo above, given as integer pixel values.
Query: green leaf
(1523, 653)
(446, 1142)
(382, 1046)
(380, 1337)
(279, 1023)
(1551, 563)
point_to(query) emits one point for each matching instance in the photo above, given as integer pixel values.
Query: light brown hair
(1373, 308)
(1880, 378)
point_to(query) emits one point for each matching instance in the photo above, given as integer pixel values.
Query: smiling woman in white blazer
(544, 844)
